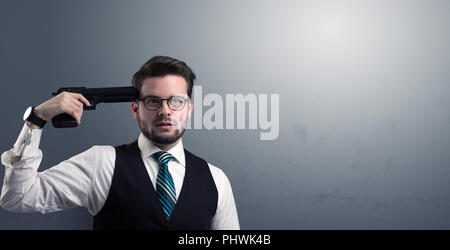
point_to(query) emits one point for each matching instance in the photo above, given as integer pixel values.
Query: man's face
(164, 126)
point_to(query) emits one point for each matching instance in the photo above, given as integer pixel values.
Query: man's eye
(177, 100)
(153, 101)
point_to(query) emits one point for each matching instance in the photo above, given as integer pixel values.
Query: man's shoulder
(101, 148)
(218, 175)
(216, 172)
(97, 151)
(127, 145)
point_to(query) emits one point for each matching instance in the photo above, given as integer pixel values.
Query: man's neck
(166, 147)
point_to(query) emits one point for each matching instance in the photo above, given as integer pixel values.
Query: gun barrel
(117, 94)
(116, 91)
(97, 95)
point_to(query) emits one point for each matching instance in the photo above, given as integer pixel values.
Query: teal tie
(165, 189)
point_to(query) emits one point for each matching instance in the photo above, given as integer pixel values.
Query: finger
(82, 99)
(77, 114)
(74, 111)
(77, 103)
(70, 101)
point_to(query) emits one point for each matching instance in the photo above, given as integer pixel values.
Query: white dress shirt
(85, 179)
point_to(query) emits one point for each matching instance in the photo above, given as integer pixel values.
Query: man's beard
(161, 140)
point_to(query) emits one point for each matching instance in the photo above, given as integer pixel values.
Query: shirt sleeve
(60, 187)
(226, 217)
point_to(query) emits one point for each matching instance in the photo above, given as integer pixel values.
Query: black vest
(132, 202)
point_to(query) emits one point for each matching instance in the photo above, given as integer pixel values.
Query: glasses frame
(161, 102)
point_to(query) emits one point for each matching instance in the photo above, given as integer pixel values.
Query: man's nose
(164, 109)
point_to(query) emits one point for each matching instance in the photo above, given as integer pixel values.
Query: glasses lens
(152, 103)
(177, 102)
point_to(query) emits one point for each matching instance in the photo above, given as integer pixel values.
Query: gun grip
(64, 121)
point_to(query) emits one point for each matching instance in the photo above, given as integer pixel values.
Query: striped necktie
(165, 189)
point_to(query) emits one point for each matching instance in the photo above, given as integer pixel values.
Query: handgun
(94, 96)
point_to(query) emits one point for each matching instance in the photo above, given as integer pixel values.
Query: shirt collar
(148, 149)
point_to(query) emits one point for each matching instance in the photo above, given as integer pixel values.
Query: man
(151, 183)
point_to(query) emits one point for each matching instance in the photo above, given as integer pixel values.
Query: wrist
(38, 112)
(32, 126)
(31, 117)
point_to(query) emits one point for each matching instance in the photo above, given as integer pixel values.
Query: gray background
(364, 137)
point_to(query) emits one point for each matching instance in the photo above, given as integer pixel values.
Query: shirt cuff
(28, 141)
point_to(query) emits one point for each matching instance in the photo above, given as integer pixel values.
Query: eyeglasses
(153, 103)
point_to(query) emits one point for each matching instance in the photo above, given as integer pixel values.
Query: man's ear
(135, 109)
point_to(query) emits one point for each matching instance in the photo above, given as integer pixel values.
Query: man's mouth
(164, 125)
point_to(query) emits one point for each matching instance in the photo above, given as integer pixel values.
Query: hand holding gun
(67, 105)
(94, 96)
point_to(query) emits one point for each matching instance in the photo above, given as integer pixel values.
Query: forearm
(27, 190)
(17, 155)
(58, 188)
(21, 164)
(19, 181)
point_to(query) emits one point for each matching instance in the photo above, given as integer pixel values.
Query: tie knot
(162, 157)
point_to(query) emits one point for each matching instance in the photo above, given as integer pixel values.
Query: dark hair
(162, 66)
